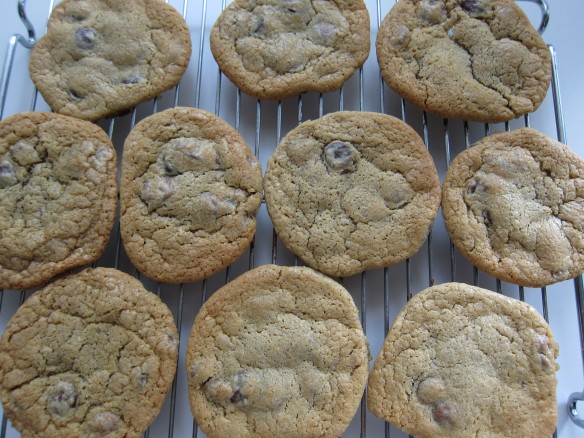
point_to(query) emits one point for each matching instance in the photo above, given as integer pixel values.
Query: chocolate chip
(473, 6)
(443, 412)
(433, 11)
(170, 169)
(7, 174)
(105, 422)
(64, 398)
(487, 218)
(142, 380)
(472, 187)
(85, 37)
(237, 397)
(157, 190)
(259, 28)
(133, 80)
(339, 155)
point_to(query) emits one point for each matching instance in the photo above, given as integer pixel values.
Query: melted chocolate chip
(85, 37)
(7, 174)
(237, 397)
(64, 398)
(472, 6)
(472, 187)
(487, 218)
(133, 80)
(105, 422)
(443, 412)
(339, 155)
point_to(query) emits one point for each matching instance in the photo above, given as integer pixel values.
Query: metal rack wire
(379, 294)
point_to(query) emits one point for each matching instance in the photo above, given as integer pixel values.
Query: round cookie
(274, 49)
(352, 191)
(278, 352)
(102, 57)
(58, 196)
(189, 194)
(92, 355)
(513, 205)
(461, 361)
(467, 59)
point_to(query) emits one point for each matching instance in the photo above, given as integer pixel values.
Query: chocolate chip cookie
(513, 204)
(90, 355)
(352, 191)
(466, 59)
(461, 361)
(189, 194)
(58, 196)
(100, 58)
(273, 49)
(278, 352)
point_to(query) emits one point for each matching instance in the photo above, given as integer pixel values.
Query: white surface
(564, 33)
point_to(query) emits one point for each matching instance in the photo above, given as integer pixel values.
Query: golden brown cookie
(274, 49)
(513, 205)
(461, 361)
(102, 57)
(90, 355)
(466, 59)
(58, 196)
(352, 191)
(278, 352)
(190, 191)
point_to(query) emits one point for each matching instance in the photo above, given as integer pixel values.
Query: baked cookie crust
(462, 361)
(58, 196)
(273, 49)
(513, 204)
(465, 59)
(190, 191)
(90, 355)
(352, 191)
(278, 352)
(103, 57)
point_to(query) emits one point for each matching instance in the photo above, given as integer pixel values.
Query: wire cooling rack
(379, 294)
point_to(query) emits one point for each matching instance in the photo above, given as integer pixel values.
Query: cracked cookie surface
(462, 361)
(352, 191)
(58, 186)
(92, 354)
(467, 59)
(513, 205)
(273, 49)
(102, 57)
(278, 352)
(189, 194)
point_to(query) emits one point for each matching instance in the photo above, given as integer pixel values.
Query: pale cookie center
(301, 29)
